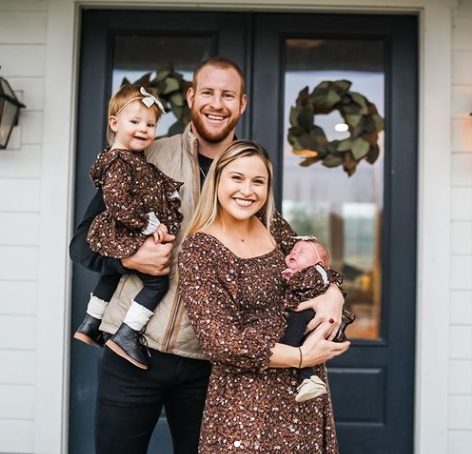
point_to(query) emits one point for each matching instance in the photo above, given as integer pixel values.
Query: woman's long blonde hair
(208, 208)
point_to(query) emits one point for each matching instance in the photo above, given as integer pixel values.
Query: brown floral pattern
(308, 283)
(132, 187)
(236, 307)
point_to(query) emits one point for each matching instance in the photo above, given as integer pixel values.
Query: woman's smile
(242, 189)
(243, 202)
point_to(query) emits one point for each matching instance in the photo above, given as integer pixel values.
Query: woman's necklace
(203, 173)
(234, 235)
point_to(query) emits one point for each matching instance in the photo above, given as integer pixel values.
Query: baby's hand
(160, 233)
(287, 273)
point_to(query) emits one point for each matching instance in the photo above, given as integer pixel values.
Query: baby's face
(302, 255)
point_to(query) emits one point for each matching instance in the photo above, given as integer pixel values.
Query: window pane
(135, 56)
(344, 212)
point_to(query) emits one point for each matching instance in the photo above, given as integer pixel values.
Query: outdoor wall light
(9, 112)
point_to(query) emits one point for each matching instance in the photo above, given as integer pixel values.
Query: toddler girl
(140, 201)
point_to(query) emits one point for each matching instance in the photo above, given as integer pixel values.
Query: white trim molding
(57, 187)
(432, 336)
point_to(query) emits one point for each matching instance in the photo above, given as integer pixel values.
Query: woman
(231, 283)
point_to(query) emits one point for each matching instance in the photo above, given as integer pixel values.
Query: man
(129, 399)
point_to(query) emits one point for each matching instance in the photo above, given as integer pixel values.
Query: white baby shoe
(310, 388)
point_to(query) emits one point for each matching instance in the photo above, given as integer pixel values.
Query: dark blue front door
(275, 50)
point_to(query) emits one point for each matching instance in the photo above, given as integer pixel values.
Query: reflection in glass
(344, 212)
(135, 56)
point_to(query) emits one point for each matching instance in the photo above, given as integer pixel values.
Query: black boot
(347, 319)
(89, 332)
(126, 342)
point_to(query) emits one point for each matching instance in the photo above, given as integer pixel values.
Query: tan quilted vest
(169, 329)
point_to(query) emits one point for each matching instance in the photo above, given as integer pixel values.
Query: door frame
(375, 371)
(57, 187)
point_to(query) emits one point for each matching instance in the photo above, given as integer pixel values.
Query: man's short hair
(220, 63)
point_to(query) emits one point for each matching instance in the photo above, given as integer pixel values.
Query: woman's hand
(328, 308)
(317, 349)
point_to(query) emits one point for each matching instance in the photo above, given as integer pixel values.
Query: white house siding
(23, 28)
(37, 56)
(460, 341)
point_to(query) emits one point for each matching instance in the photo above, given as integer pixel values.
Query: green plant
(309, 140)
(171, 88)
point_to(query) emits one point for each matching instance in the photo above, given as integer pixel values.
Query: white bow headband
(148, 101)
(306, 238)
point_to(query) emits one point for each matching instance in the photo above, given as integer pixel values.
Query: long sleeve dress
(132, 188)
(236, 306)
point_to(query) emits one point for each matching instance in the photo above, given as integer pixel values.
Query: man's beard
(208, 135)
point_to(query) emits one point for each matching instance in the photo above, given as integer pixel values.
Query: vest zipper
(167, 341)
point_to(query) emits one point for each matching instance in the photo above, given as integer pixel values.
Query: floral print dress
(236, 306)
(132, 188)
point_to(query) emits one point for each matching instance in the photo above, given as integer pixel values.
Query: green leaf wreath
(171, 89)
(309, 140)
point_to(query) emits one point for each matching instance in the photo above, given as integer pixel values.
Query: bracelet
(301, 358)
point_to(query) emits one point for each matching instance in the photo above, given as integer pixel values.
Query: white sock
(137, 316)
(96, 306)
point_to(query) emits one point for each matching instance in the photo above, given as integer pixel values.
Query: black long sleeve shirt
(79, 248)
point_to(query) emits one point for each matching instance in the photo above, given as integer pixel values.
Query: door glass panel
(136, 55)
(344, 212)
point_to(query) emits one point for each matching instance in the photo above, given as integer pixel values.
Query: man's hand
(152, 258)
(328, 308)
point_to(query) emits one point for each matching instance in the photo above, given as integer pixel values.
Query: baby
(308, 276)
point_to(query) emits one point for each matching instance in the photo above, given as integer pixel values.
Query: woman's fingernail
(331, 321)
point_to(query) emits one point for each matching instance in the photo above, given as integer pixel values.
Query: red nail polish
(331, 321)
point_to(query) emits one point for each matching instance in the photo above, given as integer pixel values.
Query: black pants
(130, 401)
(295, 334)
(154, 288)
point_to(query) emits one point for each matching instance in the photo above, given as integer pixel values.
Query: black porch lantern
(9, 112)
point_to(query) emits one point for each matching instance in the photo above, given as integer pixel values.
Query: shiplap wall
(460, 363)
(23, 31)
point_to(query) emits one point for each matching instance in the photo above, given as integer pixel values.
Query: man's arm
(150, 258)
(79, 248)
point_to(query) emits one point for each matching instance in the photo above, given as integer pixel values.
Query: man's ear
(190, 96)
(113, 123)
(243, 103)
